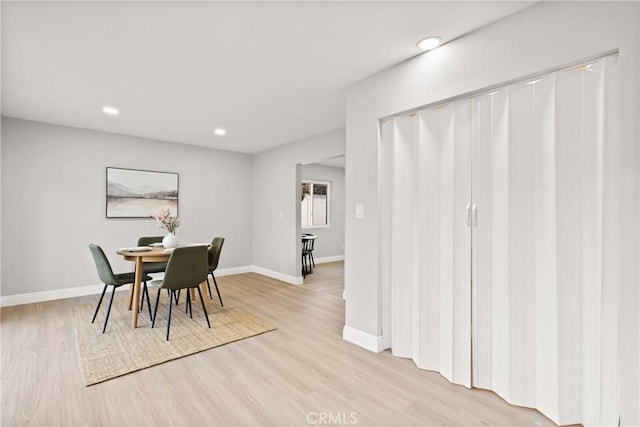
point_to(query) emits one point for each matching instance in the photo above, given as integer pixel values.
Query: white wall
(53, 202)
(276, 196)
(330, 242)
(540, 38)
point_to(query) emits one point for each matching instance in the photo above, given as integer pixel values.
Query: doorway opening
(320, 222)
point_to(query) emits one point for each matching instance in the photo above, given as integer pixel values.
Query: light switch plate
(359, 211)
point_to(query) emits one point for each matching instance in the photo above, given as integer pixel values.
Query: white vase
(170, 241)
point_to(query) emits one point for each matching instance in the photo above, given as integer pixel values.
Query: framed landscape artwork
(135, 193)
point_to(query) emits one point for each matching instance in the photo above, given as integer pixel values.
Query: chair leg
(203, 307)
(215, 282)
(145, 291)
(99, 303)
(309, 262)
(176, 295)
(209, 286)
(313, 261)
(106, 319)
(188, 305)
(155, 312)
(304, 267)
(169, 315)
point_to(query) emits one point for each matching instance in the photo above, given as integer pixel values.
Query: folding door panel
(455, 238)
(462, 245)
(599, 251)
(545, 245)
(403, 339)
(493, 248)
(430, 236)
(427, 170)
(483, 148)
(385, 168)
(569, 217)
(606, 142)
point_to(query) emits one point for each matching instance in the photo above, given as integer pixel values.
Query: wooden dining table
(139, 257)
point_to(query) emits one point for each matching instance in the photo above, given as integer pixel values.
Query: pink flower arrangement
(165, 220)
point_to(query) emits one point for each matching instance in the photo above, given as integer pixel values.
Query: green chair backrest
(187, 268)
(146, 241)
(102, 264)
(214, 252)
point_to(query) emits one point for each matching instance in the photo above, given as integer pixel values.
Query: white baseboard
(329, 259)
(221, 272)
(364, 340)
(293, 280)
(33, 297)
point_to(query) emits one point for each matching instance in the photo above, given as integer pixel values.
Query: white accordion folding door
(499, 241)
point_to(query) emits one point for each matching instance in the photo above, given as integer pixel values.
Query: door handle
(474, 215)
(469, 216)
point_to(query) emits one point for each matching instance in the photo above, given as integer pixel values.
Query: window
(315, 210)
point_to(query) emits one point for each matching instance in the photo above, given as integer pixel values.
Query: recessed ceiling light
(220, 132)
(112, 111)
(429, 43)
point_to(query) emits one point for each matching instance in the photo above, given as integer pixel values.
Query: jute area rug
(121, 349)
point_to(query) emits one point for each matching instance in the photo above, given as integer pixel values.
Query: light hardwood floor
(303, 373)
(327, 278)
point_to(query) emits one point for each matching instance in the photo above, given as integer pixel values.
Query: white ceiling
(268, 72)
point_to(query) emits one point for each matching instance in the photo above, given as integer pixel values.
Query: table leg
(136, 292)
(131, 290)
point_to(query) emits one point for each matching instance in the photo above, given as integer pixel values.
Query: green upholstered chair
(152, 267)
(186, 269)
(110, 279)
(214, 257)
